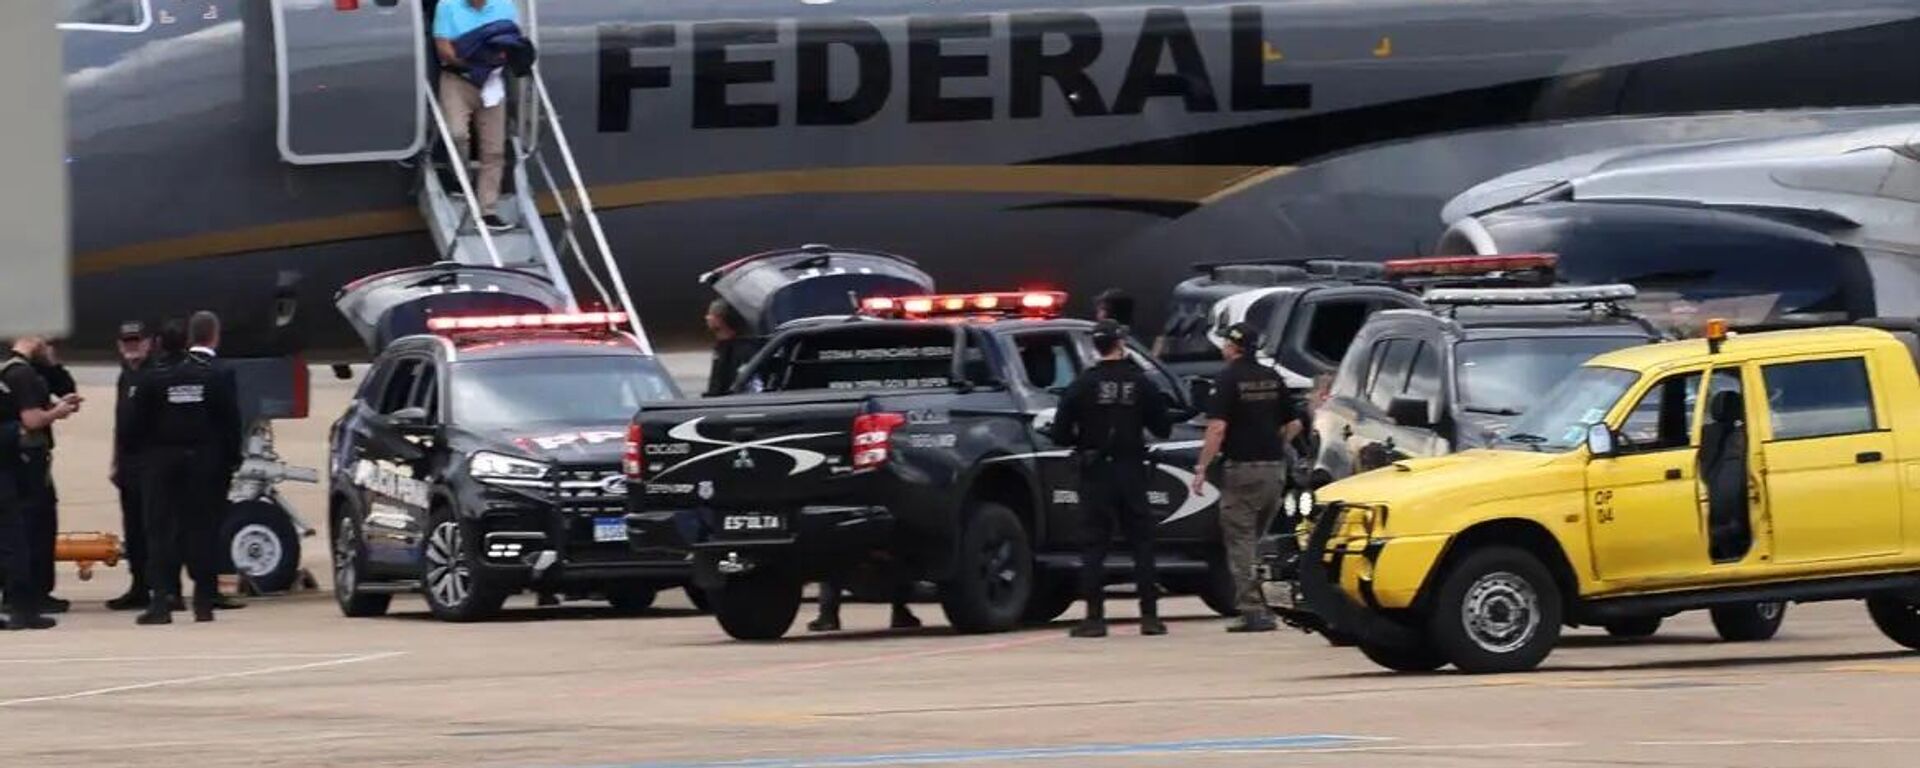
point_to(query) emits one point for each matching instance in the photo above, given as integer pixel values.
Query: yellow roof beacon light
(1716, 334)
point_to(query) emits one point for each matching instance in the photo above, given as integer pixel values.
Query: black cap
(132, 329)
(1108, 332)
(1243, 335)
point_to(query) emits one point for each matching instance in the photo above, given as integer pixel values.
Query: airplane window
(104, 14)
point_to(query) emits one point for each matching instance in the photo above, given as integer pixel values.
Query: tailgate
(754, 452)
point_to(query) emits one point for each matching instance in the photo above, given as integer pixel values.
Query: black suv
(1308, 312)
(483, 459)
(1430, 382)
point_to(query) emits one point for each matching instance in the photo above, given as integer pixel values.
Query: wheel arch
(1009, 486)
(1525, 535)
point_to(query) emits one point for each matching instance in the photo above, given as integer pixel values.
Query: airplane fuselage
(1083, 145)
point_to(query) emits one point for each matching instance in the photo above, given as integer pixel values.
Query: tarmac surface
(288, 681)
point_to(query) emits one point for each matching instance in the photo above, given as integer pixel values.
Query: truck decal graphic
(803, 460)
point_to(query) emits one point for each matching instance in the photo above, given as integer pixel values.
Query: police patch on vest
(186, 394)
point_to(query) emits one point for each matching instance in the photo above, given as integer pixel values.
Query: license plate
(752, 522)
(609, 529)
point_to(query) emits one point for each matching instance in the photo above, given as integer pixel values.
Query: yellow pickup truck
(1735, 474)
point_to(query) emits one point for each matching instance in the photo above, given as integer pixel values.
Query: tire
(1636, 628)
(1216, 588)
(349, 557)
(631, 598)
(1497, 610)
(1419, 659)
(455, 591)
(993, 573)
(757, 606)
(697, 596)
(1053, 594)
(1749, 622)
(262, 545)
(1897, 617)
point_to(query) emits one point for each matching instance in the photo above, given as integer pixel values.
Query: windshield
(548, 391)
(1504, 376)
(1559, 422)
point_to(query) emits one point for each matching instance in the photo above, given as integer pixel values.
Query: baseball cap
(1108, 331)
(132, 329)
(1242, 335)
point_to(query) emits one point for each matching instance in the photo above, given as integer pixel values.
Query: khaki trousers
(1248, 502)
(461, 100)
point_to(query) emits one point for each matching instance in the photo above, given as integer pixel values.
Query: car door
(1828, 461)
(1372, 441)
(1419, 433)
(385, 462)
(1182, 514)
(1643, 517)
(1047, 362)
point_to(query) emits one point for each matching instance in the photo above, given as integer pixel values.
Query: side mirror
(1411, 412)
(409, 417)
(1600, 441)
(1199, 391)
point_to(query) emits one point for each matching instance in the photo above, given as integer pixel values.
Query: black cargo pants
(183, 493)
(1113, 493)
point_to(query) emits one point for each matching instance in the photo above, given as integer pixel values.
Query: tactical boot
(29, 621)
(903, 618)
(159, 611)
(136, 598)
(828, 621)
(203, 608)
(1150, 623)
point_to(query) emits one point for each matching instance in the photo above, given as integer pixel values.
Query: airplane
(255, 156)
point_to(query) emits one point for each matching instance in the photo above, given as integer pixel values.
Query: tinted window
(1424, 381)
(1390, 378)
(1332, 326)
(865, 359)
(1504, 376)
(1828, 397)
(1048, 359)
(426, 394)
(398, 389)
(1663, 419)
(109, 13)
(578, 391)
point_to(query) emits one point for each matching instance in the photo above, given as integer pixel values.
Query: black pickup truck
(910, 443)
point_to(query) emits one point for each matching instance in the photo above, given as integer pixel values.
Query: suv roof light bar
(1495, 297)
(1021, 303)
(575, 321)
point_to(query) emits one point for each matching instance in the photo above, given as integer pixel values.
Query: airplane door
(351, 74)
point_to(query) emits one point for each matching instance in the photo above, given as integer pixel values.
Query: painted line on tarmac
(177, 681)
(148, 659)
(1308, 742)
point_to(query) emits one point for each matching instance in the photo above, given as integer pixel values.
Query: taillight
(873, 438)
(630, 458)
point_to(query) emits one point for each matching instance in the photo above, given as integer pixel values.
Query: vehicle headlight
(486, 465)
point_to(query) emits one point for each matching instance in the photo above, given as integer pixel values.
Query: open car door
(772, 288)
(391, 305)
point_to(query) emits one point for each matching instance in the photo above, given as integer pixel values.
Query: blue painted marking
(1025, 753)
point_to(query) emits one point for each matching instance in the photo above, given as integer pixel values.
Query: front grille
(590, 488)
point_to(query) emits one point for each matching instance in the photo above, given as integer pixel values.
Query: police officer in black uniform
(1102, 415)
(44, 394)
(136, 349)
(185, 429)
(15, 567)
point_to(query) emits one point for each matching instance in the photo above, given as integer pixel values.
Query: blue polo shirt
(454, 18)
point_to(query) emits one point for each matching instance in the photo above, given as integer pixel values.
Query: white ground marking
(201, 679)
(146, 659)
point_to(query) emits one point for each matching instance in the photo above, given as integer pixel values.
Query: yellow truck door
(1832, 483)
(1642, 506)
